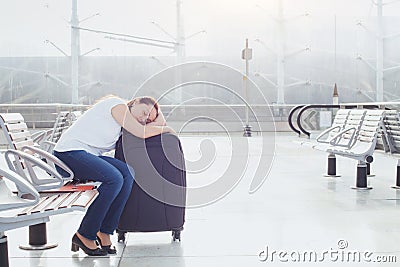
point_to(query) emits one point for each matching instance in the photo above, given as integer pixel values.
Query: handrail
(313, 106)
(298, 120)
(291, 113)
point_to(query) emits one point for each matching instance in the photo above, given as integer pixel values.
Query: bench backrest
(389, 140)
(26, 159)
(361, 131)
(352, 127)
(15, 130)
(60, 125)
(370, 127)
(63, 121)
(339, 122)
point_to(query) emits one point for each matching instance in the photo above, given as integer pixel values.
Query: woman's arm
(124, 118)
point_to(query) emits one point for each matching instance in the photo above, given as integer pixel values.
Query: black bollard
(361, 180)
(397, 186)
(369, 170)
(38, 238)
(331, 172)
(3, 251)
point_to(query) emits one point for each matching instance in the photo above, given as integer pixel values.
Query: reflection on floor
(296, 217)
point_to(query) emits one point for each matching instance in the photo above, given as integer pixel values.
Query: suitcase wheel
(121, 236)
(176, 235)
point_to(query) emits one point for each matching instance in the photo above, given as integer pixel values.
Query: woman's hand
(124, 118)
(159, 121)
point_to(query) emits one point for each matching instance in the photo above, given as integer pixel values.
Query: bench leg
(38, 238)
(369, 170)
(397, 186)
(361, 181)
(331, 172)
(3, 250)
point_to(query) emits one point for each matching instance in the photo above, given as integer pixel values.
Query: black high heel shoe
(108, 249)
(77, 243)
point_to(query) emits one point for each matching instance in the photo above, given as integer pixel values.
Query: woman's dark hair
(148, 100)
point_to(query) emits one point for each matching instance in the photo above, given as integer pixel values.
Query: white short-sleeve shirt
(96, 131)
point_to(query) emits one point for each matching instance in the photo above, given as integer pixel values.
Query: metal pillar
(369, 174)
(3, 250)
(280, 55)
(361, 179)
(379, 52)
(38, 238)
(247, 55)
(180, 32)
(331, 171)
(75, 52)
(397, 185)
(180, 48)
(380, 38)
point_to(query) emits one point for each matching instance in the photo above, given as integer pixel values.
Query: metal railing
(232, 115)
(40, 115)
(299, 110)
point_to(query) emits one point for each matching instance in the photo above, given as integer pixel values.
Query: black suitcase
(157, 201)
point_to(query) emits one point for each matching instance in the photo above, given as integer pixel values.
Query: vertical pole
(335, 91)
(246, 84)
(379, 52)
(335, 48)
(361, 177)
(75, 52)
(180, 37)
(38, 238)
(369, 174)
(331, 171)
(11, 88)
(3, 250)
(247, 55)
(180, 48)
(280, 55)
(397, 185)
(37, 234)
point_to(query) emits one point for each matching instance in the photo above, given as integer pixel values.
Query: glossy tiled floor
(295, 212)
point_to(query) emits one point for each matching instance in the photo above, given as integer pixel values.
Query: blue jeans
(116, 179)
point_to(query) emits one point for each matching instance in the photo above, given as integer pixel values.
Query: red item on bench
(72, 187)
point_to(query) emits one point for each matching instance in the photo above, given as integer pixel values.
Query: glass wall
(300, 49)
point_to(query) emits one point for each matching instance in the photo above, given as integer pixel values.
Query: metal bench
(19, 139)
(54, 133)
(344, 130)
(338, 125)
(357, 141)
(38, 168)
(389, 140)
(27, 207)
(48, 138)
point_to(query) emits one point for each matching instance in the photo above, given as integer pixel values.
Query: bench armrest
(24, 188)
(47, 146)
(40, 136)
(55, 181)
(51, 160)
(335, 140)
(327, 131)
